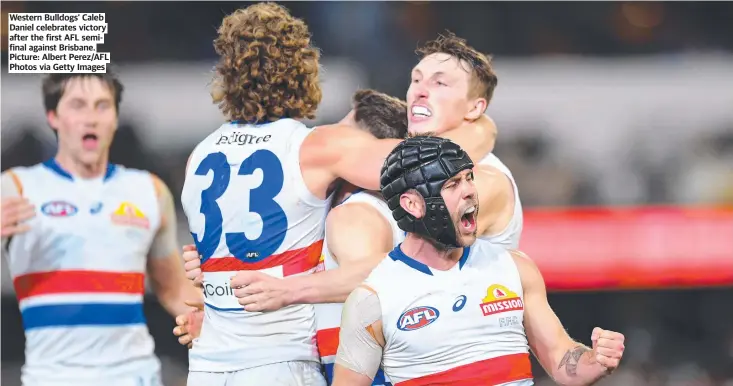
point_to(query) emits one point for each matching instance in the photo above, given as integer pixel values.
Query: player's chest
(101, 216)
(476, 310)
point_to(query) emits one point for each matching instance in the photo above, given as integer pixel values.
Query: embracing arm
(357, 156)
(165, 265)
(358, 237)
(361, 340)
(495, 197)
(476, 138)
(568, 362)
(346, 152)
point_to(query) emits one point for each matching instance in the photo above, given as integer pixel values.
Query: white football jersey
(328, 315)
(463, 326)
(79, 273)
(248, 208)
(509, 237)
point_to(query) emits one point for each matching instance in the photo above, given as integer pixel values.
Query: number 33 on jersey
(248, 207)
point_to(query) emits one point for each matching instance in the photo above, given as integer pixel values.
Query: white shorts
(298, 373)
(151, 379)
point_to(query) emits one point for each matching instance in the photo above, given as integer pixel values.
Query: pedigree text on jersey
(241, 138)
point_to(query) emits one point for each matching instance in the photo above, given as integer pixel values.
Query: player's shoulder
(25, 170)
(134, 176)
(357, 217)
(528, 271)
(122, 171)
(483, 252)
(491, 182)
(384, 272)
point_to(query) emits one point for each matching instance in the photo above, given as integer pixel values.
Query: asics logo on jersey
(59, 209)
(417, 318)
(96, 208)
(500, 299)
(460, 302)
(240, 138)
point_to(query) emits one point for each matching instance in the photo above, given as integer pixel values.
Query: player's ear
(477, 107)
(413, 203)
(52, 119)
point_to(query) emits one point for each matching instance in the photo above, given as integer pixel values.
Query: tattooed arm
(568, 362)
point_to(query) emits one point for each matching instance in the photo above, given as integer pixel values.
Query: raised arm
(361, 340)
(496, 197)
(357, 156)
(477, 138)
(568, 362)
(345, 152)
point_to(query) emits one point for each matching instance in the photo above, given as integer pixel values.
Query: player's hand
(608, 348)
(260, 292)
(188, 326)
(13, 212)
(192, 264)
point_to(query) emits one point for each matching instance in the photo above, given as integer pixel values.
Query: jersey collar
(54, 166)
(398, 255)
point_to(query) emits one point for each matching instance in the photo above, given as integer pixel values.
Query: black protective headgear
(424, 164)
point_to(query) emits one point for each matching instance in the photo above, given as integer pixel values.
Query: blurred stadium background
(616, 119)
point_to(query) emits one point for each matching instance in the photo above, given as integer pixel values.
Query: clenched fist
(188, 326)
(608, 348)
(192, 264)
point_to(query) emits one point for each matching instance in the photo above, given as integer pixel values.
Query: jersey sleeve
(359, 350)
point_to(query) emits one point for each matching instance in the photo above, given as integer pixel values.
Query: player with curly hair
(257, 191)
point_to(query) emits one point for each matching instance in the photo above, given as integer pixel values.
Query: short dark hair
(382, 115)
(54, 86)
(484, 78)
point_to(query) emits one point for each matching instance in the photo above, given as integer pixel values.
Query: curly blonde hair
(268, 68)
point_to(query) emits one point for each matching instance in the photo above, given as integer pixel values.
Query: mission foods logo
(130, 215)
(500, 299)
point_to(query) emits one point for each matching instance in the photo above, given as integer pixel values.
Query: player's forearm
(476, 138)
(577, 367)
(365, 164)
(174, 299)
(343, 376)
(331, 286)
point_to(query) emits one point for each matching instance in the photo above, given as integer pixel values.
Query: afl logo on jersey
(59, 209)
(417, 318)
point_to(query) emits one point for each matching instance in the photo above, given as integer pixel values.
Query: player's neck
(426, 252)
(82, 170)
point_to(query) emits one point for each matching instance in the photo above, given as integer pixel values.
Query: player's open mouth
(468, 220)
(90, 141)
(419, 113)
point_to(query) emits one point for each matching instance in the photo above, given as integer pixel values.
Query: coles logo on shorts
(59, 209)
(500, 299)
(417, 318)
